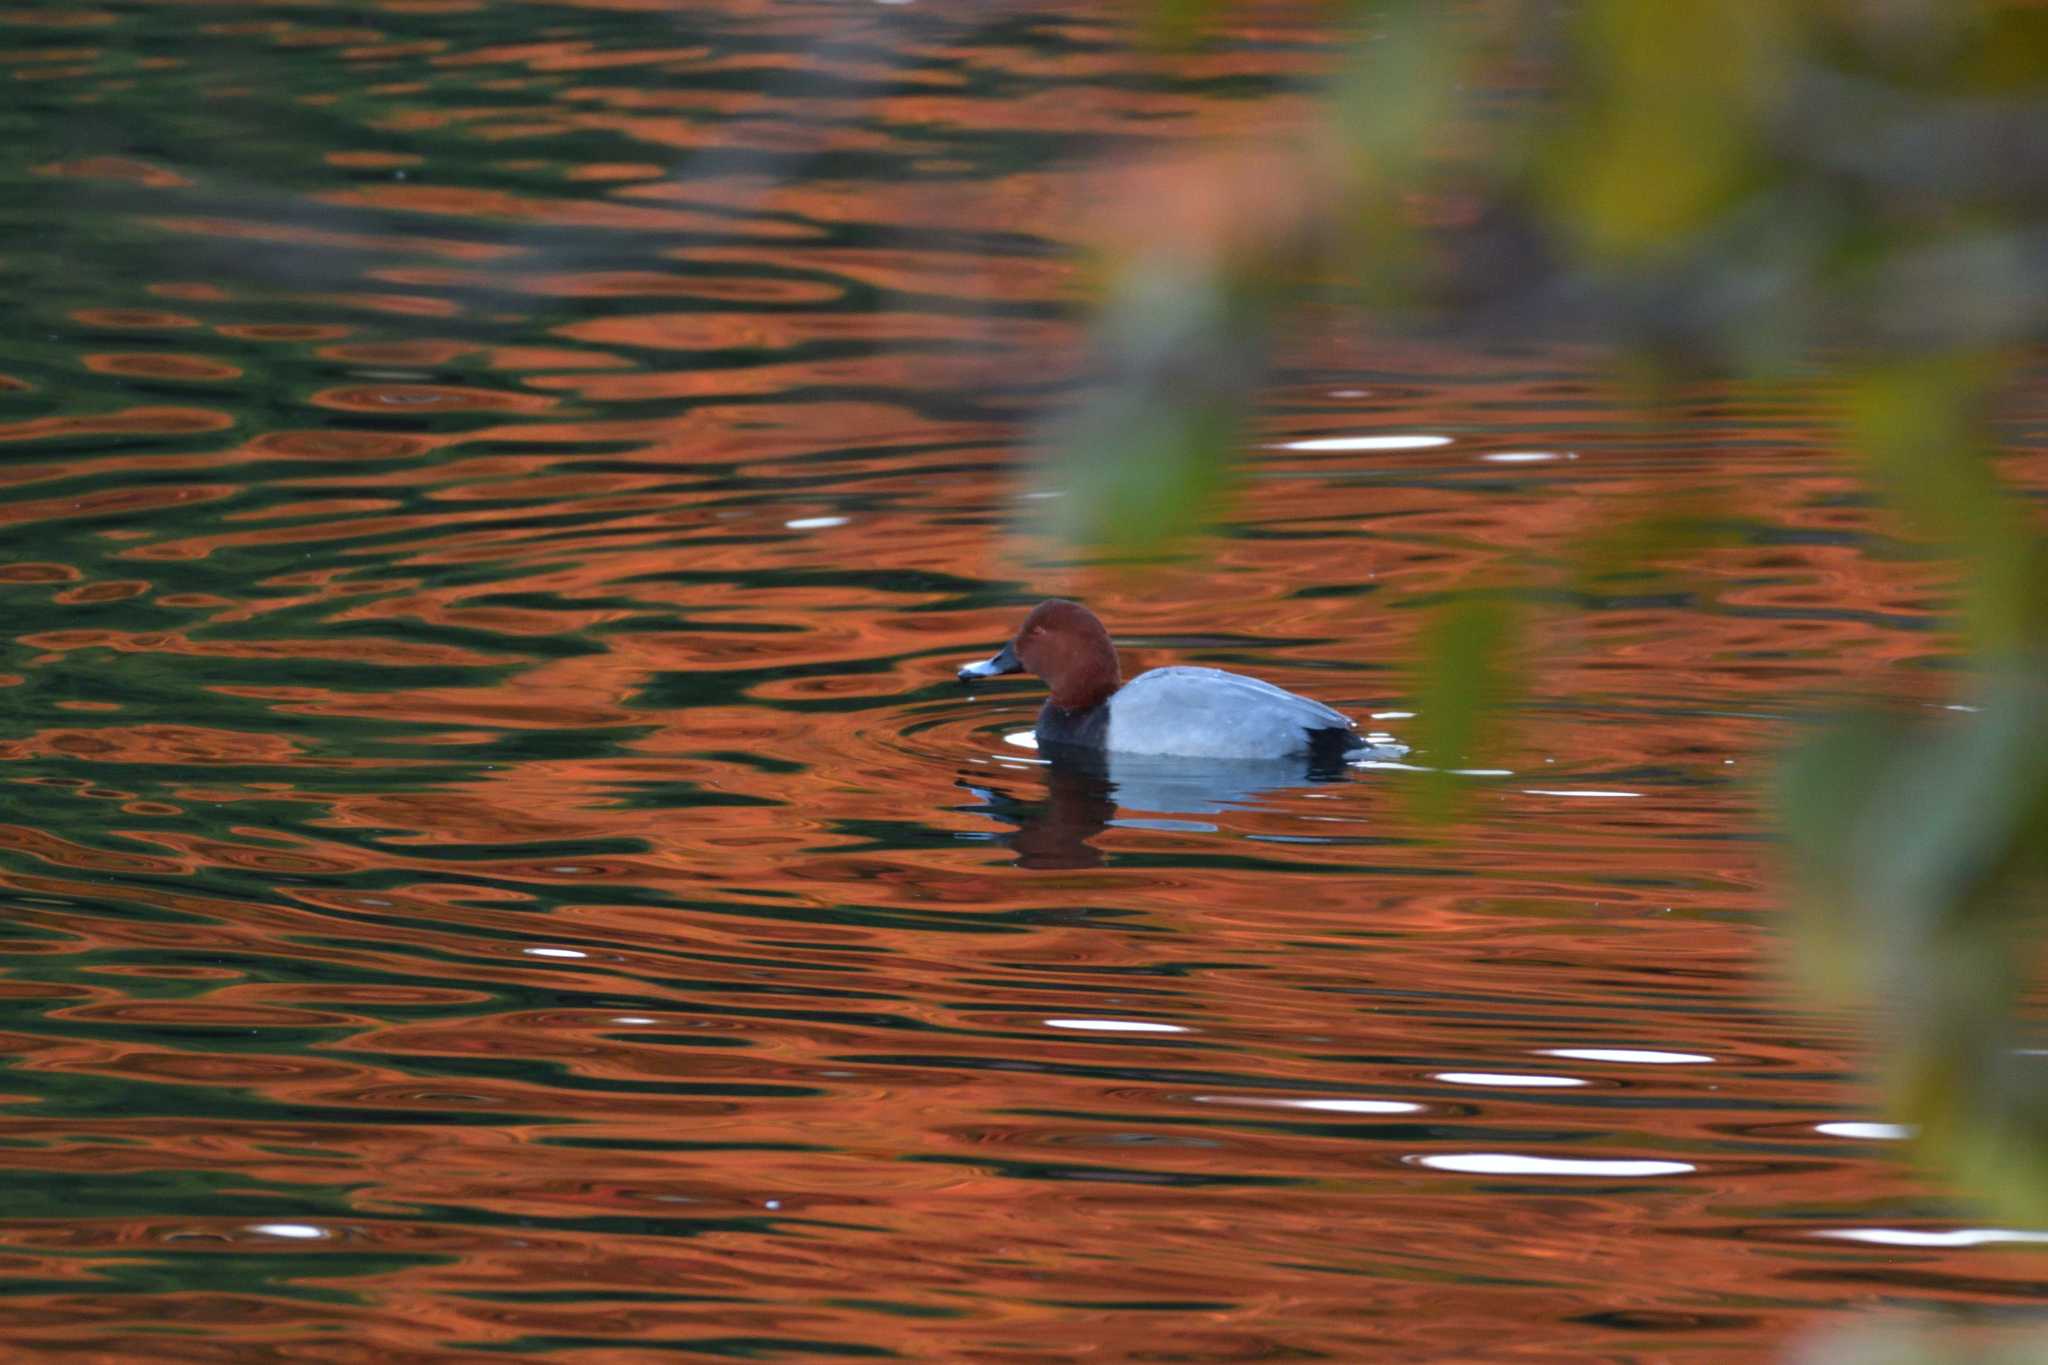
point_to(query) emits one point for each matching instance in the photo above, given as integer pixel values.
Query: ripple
(156, 744)
(134, 319)
(736, 288)
(205, 1014)
(128, 422)
(251, 1071)
(116, 168)
(31, 572)
(159, 365)
(340, 445)
(284, 331)
(112, 590)
(428, 398)
(473, 202)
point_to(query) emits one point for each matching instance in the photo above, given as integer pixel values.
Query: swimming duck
(1184, 712)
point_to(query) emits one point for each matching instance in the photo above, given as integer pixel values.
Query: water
(495, 860)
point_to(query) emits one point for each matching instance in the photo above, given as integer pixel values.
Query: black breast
(1077, 729)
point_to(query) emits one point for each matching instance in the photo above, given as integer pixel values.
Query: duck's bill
(1005, 661)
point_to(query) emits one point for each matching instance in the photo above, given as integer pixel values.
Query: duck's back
(1207, 713)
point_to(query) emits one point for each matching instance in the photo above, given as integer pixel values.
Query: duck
(1181, 712)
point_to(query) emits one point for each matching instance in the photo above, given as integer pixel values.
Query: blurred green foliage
(1155, 450)
(1850, 195)
(1468, 646)
(1900, 1343)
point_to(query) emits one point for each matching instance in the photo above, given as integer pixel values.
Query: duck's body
(1200, 713)
(1181, 712)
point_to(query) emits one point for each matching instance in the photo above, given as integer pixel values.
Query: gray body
(1201, 713)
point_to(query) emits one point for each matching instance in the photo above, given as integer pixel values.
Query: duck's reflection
(1084, 792)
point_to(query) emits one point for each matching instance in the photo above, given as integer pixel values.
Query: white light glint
(553, 952)
(1868, 1132)
(815, 523)
(1023, 739)
(1522, 457)
(1928, 1237)
(1116, 1025)
(631, 1019)
(1393, 715)
(1366, 443)
(1508, 1163)
(1503, 1078)
(1648, 1056)
(300, 1232)
(1317, 1106)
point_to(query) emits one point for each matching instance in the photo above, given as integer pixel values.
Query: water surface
(495, 861)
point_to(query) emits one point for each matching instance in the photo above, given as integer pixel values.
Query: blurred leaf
(1831, 192)
(1178, 23)
(1902, 828)
(1920, 429)
(1921, 851)
(1393, 103)
(1144, 461)
(1466, 650)
(1401, 84)
(1633, 544)
(1134, 477)
(1890, 1342)
(1661, 135)
(1822, 788)
(2011, 51)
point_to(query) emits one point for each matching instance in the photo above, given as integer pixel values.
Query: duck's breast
(1207, 713)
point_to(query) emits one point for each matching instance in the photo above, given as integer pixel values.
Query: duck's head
(1064, 644)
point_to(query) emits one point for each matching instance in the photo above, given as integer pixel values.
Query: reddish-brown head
(1063, 643)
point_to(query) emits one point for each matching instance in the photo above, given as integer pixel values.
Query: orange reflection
(515, 872)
